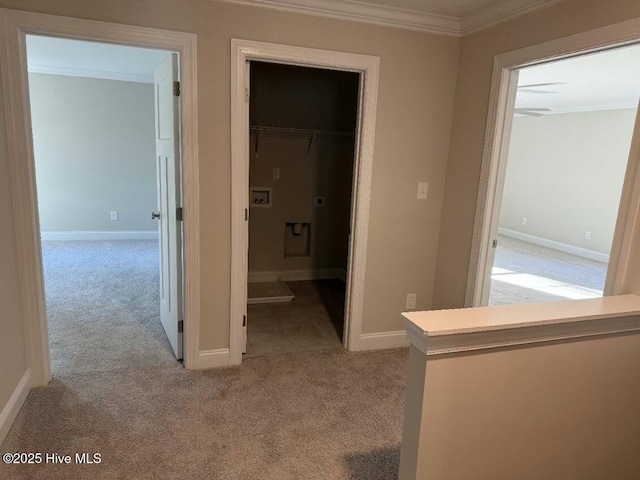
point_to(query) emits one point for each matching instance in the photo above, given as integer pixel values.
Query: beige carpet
(321, 415)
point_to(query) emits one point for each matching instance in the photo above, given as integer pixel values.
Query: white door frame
(494, 156)
(14, 26)
(368, 67)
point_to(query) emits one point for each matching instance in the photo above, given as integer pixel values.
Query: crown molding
(87, 73)
(363, 12)
(501, 12)
(496, 13)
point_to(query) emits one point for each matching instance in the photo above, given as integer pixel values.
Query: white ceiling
(90, 59)
(600, 81)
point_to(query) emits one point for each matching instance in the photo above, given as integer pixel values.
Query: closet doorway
(306, 128)
(301, 156)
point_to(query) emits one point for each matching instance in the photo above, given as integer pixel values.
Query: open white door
(245, 321)
(169, 212)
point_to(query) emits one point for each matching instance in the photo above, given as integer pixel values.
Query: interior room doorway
(105, 123)
(303, 124)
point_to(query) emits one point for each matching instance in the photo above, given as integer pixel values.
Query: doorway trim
(368, 68)
(14, 26)
(496, 146)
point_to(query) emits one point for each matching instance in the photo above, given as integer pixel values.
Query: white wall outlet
(411, 301)
(524, 220)
(276, 173)
(587, 235)
(423, 190)
(114, 215)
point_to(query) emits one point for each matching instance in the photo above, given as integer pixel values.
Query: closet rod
(297, 131)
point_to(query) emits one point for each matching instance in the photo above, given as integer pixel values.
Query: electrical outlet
(276, 173)
(423, 190)
(114, 215)
(524, 220)
(411, 301)
(587, 235)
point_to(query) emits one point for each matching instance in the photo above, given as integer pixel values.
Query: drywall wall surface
(555, 410)
(415, 103)
(565, 174)
(307, 166)
(326, 172)
(470, 115)
(13, 353)
(94, 145)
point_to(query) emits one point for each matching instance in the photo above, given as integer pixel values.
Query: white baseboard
(14, 404)
(382, 340)
(130, 235)
(213, 359)
(562, 247)
(297, 275)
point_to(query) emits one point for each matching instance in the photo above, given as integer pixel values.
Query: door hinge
(176, 88)
(494, 244)
(180, 326)
(246, 214)
(179, 214)
(246, 95)
(244, 320)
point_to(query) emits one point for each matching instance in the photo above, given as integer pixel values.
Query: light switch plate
(276, 173)
(423, 190)
(114, 215)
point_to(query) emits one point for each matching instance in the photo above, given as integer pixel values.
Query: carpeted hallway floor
(320, 415)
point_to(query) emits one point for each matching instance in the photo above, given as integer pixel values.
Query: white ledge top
(448, 331)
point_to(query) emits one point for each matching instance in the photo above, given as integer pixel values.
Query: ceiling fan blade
(548, 84)
(533, 90)
(534, 109)
(530, 114)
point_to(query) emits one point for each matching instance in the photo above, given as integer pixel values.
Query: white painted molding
(297, 275)
(85, 73)
(441, 332)
(501, 12)
(382, 341)
(363, 12)
(86, 235)
(494, 156)
(562, 247)
(390, 16)
(14, 404)
(14, 25)
(368, 67)
(212, 359)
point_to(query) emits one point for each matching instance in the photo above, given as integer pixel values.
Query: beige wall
(550, 411)
(565, 175)
(470, 114)
(416, 89)
(94, 143)
(303, 98)
(13, 359)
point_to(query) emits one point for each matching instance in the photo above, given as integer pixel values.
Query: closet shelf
(296, 131)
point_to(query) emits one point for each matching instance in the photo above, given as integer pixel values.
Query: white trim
(298, 275)
(441, 332)
(389, 16)
(212, 359)
(368, 67)
(15, 25)
(501, 12)
(86, 73)
(14, 404)
(382, 340)
(86, 235)
(562, 247)
(497, 135)
(363, 12)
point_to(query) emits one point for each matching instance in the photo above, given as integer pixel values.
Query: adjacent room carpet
(528, 273)
(118, 391)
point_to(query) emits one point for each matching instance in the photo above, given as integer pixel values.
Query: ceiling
(444, 17)
(91, 59)
(601, 81)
